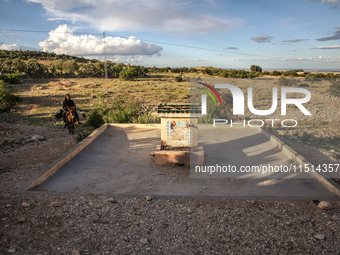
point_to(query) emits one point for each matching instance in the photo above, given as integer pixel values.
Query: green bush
(95, 119)
(7, 98)
(207, 71)
(128, 74)
(13, 78)
(276, 73)
(117, 116)
(145, 118)
(58, 64)
(255, 68)
(178, 78)
(70, 66)
(81, 135)
(123, 108)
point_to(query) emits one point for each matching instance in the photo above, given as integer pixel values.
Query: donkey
(71, 119)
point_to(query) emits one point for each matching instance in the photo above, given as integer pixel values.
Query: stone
(324, 205)
(130, 246)
(97, 206)
(288, 223)
(11, 251)
(37, 137)
(25, 204)
(144, 240)
(56, 204)
(320, 237)
(148, 198)
(22, 220)
(302, 219)
(8, 206)
(336, 218)
(75, 252)
(189, 211)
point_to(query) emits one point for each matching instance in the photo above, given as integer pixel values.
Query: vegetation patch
(7, 98)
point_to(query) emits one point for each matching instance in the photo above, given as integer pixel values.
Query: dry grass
(43, 99)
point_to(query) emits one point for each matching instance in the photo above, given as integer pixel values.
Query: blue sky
(276, 34)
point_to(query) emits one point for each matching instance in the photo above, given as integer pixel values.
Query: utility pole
(105, 60)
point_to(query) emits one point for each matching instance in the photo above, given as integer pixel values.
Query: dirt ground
(89, 224)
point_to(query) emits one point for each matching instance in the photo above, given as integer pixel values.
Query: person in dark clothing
(66, 107)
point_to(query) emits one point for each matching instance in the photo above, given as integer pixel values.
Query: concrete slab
(118, 161)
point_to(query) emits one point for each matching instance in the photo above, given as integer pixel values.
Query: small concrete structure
(179, 135)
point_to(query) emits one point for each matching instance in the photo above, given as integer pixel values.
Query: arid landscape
(32, 139)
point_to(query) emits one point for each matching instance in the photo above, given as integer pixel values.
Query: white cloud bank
(332, 47)
(169, 16)
(320, 58)
(130, 59)
(15, 47)
(62, 41)
(335, 3)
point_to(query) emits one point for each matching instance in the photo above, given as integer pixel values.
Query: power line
(105, 59)
(146, 40)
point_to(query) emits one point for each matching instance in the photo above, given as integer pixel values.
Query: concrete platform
(118, 161)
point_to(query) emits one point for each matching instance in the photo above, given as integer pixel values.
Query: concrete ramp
(118, 161)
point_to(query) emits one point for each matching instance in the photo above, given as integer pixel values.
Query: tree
(207, 71)
(7, 98)
(58, 65)
(255, 68)
(33, 68)
(70, 66)
(276, 73)
(18, 65)
(128, 74)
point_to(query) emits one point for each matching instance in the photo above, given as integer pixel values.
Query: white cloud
(58, 19)
(15, 47)
(297, 59)
(320, 58)
(335, 3)
(62, 41)
(333, 47)
(130, 59)
(170, 16)
(262, 38)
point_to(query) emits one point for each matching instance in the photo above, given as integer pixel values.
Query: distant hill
(40, 56)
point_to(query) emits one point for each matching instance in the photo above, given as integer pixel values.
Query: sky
(275, 34)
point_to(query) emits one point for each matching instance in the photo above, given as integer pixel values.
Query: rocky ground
(91, 224)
